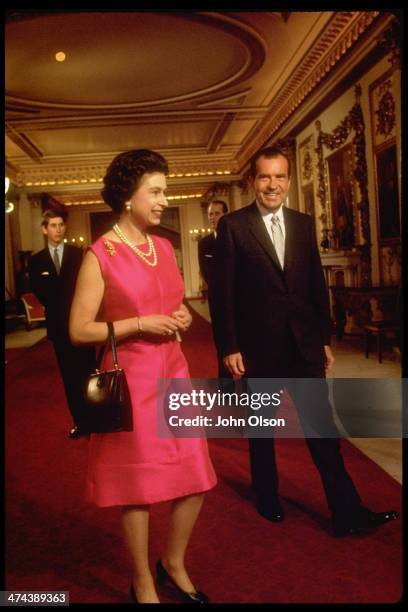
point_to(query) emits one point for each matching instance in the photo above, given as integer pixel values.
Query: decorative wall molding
(391, 40)
(306, 161)
(354, 121)
(383, 109)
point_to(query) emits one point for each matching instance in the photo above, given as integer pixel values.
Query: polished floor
(350, 363)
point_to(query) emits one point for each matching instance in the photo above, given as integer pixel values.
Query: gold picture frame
(341, 190)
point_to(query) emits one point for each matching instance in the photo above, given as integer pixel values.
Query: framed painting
(389, 225)
(308, 200)
(309, 203)
(341, 186)
(391, 264)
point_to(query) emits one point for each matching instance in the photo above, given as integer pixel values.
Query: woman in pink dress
(132, 279)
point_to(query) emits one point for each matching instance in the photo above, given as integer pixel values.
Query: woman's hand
(160, 325)
(183, 316)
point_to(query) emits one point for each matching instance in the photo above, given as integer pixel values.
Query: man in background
(206, 257)
(53, 273)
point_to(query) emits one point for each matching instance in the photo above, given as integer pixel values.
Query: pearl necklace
(142, 255)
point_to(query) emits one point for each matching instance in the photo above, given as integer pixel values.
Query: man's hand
(235, 364)
(329, 357)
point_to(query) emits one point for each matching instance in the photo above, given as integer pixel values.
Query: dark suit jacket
(206, 258)
(258, 304)
(55, 291)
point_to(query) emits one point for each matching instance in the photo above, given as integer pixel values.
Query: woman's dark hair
(123, 175)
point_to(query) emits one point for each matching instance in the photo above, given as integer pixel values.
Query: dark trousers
(75, 364)
(316, 417)
(223, 373)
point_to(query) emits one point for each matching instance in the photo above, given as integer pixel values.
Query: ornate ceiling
(206, 89)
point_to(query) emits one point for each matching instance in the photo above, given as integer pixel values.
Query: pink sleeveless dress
(138, 467)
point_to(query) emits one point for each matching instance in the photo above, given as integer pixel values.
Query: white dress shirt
(60, 249)
(267, 219)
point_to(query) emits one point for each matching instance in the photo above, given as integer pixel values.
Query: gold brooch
(109, 248)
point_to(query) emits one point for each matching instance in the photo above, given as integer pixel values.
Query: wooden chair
(380, 330)
(34, 310)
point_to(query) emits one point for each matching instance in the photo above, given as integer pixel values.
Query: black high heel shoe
(133, 593)
(163, 576)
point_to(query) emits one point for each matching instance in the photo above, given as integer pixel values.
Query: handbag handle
(113, 344)
(112, 339)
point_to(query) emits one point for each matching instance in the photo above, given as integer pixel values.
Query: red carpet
(55, 542)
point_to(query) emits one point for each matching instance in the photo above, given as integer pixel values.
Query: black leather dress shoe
(361, 521)
(274, 514)
(367, 519)
(195, 597)
(76, 433)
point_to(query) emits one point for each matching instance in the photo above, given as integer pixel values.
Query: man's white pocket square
(45, 273)
(206, 255)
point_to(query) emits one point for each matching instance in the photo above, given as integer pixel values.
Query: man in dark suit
(274, 322)
(206, 257)
(53, 272)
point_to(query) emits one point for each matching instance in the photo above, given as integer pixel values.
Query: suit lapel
(47, 261)
(258, 229)
(290, 238)
(212, 244)
(64, 257)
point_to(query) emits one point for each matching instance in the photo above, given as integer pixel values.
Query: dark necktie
(57, 261)
(278, 240)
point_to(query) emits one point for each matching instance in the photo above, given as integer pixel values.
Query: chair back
(34, 310)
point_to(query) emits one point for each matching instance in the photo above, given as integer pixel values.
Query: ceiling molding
(219, 133)
(235, 100)
(85, 176)
(25, 144)
(243, 34)
(341, 34)
(278, 69)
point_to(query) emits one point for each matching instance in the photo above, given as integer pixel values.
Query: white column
(23, 209)
(190, 218)
(235, 196)
(36, 218)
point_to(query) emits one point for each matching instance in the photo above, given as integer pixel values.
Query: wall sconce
(197, 234)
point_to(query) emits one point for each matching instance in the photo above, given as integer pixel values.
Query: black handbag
(107, 405)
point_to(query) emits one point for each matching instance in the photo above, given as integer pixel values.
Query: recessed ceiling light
(60, 56)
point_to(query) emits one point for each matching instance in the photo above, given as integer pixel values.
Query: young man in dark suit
(274, 322)
(206, 257)
(53, 272)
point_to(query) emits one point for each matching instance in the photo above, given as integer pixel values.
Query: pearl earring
(128, 207)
